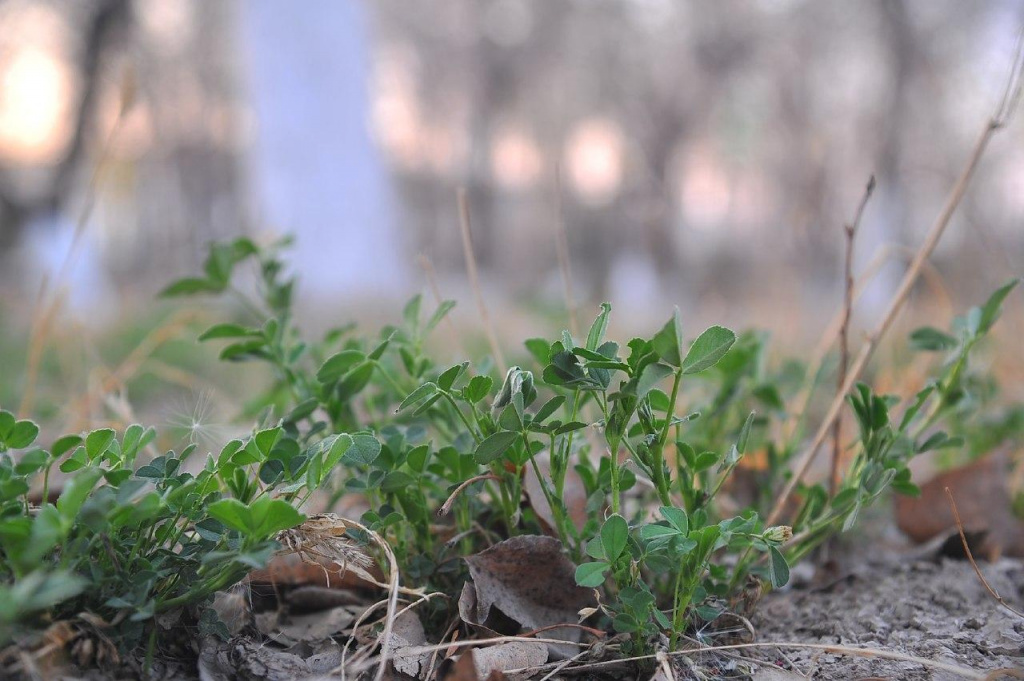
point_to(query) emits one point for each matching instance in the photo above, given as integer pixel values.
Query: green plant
(137, 538)
(375, 415)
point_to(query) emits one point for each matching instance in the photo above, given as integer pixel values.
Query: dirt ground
(924, 602)
(919, 603)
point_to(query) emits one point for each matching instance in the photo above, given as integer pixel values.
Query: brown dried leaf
(512, 655)
(407, 632)
(464, 669)
(530, 580)
(313, 627)
(983, 498)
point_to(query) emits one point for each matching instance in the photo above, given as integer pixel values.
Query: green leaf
(651, 376)
(656, 532)
(540, 349)
(76, 491)
(614, 536)
(478, 388)
(337, 448)
(677, 518)
(704, 461)
(232, 513)
(337, 365)
(266, 439)
(708, 349)
(442, 311)
(569, 427)
(364, 450)
(64, 445)
(228, 331)
(270, 516)
(418, 395)
(668, 343)
(591, 574)
(993, 306)
(931, 340)
(741, 444)
(778, 568)
(358, 378)
(549, 408)
(411, 312)
(191, 286)
(598, 328)
(378, 351)
(447, 379)
(397, 480)
(7, 422)
(31, 462)
(22, 434)
(97, 442)
(494, 446)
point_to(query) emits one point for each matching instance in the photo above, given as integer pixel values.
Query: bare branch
(956, 194)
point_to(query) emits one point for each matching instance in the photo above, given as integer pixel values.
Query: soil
(922, 604)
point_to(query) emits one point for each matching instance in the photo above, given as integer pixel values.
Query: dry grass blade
(474, 279)
(956, 194)
(962, 672)
(44, 314)
(323, 536)
(844, 330)
(882, 256)
(970, 557)
(446, 507)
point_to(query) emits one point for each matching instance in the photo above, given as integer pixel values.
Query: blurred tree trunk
(17, 210)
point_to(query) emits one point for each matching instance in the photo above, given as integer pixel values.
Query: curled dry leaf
(530, 580)
(983, 498)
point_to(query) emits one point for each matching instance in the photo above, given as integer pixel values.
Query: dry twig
(844, 331)
(974, 564)
(446, 507)
(995, 123)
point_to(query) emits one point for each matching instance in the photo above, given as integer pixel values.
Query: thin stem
(895, 305)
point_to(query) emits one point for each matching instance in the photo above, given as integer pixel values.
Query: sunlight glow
(36, 91)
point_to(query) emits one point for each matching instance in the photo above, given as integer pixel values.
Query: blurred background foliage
(704, 155)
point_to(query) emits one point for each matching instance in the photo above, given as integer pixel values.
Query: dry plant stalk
(44, 314)
(474, 279)
(1002, 114)
(844, 331)
(323, 536)
(970, 558)
(446, 507)
(882, 256)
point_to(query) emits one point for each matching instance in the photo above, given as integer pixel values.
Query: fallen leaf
(464, 669)
(316, 626)
(530, 580)
(506, 656)
(983, 499)
(407, 632)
